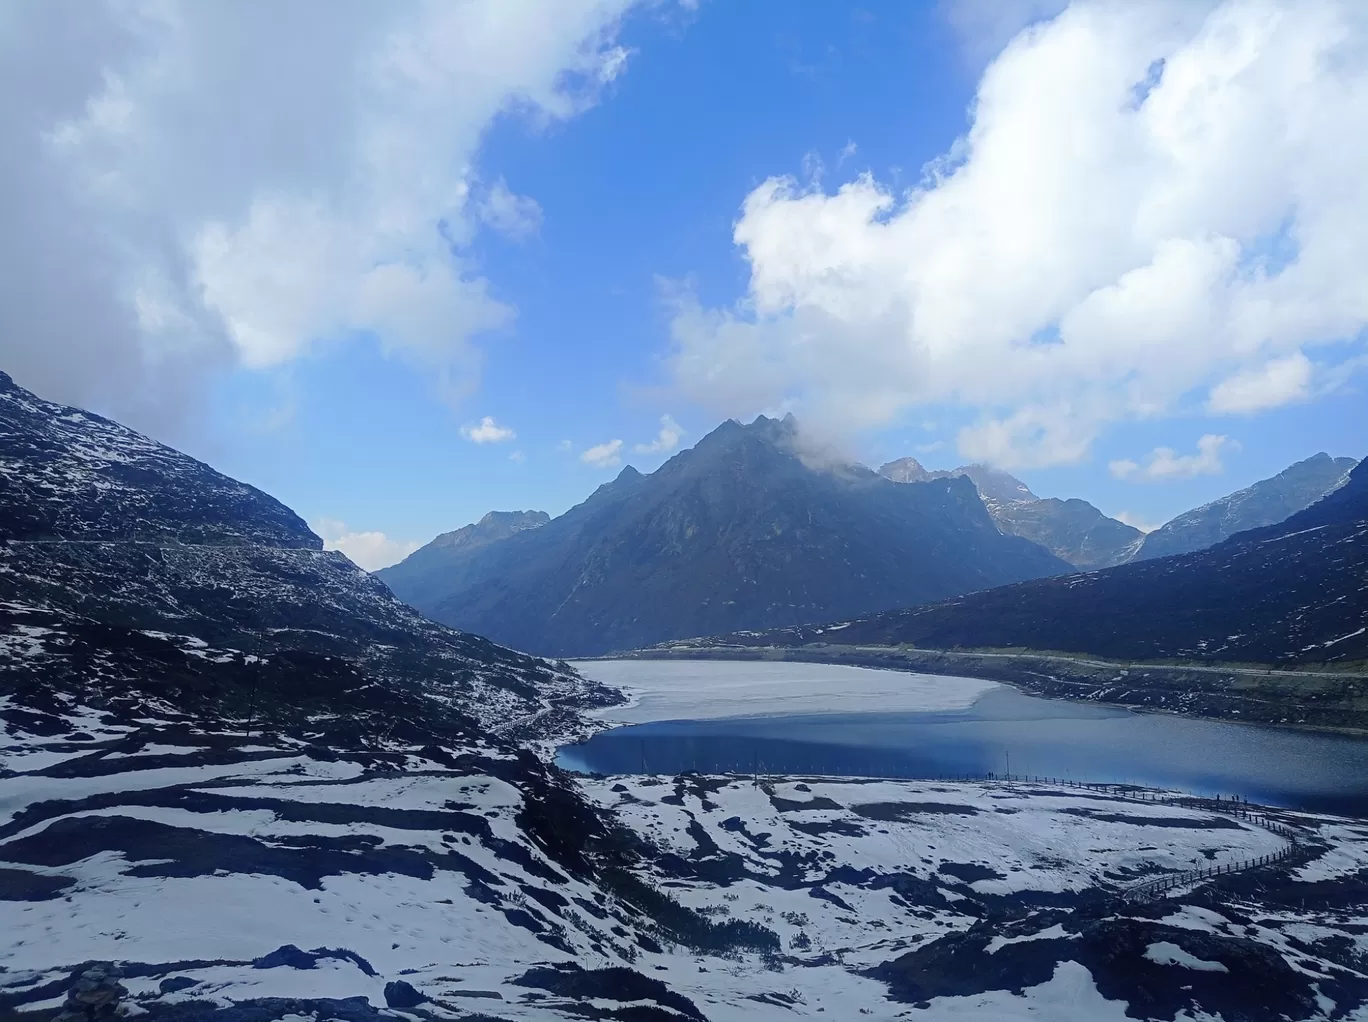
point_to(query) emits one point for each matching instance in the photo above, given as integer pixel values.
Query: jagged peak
(904, 470)
(502, 516)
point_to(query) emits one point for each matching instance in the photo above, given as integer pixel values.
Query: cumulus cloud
(1164, 463)
(488, 432)
(369, 550)
(608, 455)
(666, 440)
(192, 186)
(1277, 382)
(1151, 198)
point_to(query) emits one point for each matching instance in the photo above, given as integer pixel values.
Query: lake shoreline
(1243, 695)
(1003, 729)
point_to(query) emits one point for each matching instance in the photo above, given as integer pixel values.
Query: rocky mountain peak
(1072, 529)
(995, 484)
(493, 526)
(904, 470)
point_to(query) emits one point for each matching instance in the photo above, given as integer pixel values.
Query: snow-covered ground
(707, 690)
(242, 869)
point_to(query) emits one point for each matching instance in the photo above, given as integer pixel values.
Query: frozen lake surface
(790, 718)
(707, 690)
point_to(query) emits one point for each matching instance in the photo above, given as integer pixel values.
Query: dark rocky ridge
(1292, 593)
(67, 473)
(1267, 502)
(1072, 529)
(738, 532)
(438, 567)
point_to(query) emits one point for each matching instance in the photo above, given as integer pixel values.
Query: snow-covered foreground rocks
(257, 878)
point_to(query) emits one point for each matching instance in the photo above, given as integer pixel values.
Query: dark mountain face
(66, 472)
(736, 533)
(129, 570)
(1291, 593)
(1073, 530)
(429, 572)
(1267, 502)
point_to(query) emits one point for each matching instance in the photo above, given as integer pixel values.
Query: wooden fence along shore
(1158, 887)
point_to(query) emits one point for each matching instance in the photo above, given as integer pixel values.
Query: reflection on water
(1004, 730)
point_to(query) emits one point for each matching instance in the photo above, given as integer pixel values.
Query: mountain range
(747, 531)
(1285, 594)
(741, 531)
(1267, 502)
(1073, 530)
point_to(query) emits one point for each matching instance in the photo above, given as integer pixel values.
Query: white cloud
(369, 550)
(666, 440)
(1278, 382)
(1136, 521)
(188, 186)
(488, 432)
(518, 457)
(1151, 198)
(518, 216)
(607, 455)
(1165, 463)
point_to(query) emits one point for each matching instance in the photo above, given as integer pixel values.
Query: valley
(677, 511)
(241, 782)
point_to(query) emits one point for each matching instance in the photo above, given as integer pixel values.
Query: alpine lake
(801, 719)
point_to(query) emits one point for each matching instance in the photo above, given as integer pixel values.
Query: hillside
(1287, 594)
(736, 533)
(119, 549)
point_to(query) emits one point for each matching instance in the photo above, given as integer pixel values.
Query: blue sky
(595, 245)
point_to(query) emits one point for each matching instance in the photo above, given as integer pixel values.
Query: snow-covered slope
(234, 877)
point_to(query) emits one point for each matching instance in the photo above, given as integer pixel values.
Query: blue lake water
(1003, 729)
